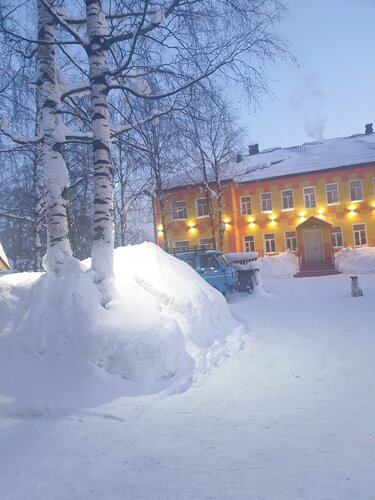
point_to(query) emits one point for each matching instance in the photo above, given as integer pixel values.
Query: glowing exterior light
(252, 225)
(320, 211)
(160, 228)
(302, 214)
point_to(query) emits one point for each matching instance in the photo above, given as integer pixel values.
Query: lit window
(202, 207)
(266, 202)
(248, 243)
(206, 243)
(360, 237)
(291, 240)
(179, 210)
(181, 245)
(245, 205)
(355, 191)
(287, 200)
(332, 191)
(336, 233)
(309, 197)
(269, 243)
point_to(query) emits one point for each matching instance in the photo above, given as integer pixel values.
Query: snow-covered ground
(291, 416)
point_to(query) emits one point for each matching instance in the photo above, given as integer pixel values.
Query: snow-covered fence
(245, 264)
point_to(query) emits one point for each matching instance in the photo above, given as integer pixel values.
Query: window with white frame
(359, 232)
(287, 201)
(269, 243)
(181, 245)
(206, 243)
(291, 240)
(248, 243)
(332, 192)
(355, 190)
(336, 233)
(309, 197)
(266, 202)
(179, 210)
(202, 207)
(245, 205)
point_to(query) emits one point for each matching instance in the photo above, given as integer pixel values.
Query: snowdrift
(59, 349)
(356, 260)
(283, 265)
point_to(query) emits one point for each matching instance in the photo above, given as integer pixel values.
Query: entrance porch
(316, 256)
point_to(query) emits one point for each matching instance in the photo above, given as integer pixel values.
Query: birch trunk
(55, 172)
(102, 251)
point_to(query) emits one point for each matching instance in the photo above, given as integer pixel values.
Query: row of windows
(269, 241)
(309, 197)
(203, 209)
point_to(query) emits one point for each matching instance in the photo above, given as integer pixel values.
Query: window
(206, 243)
(291, 240)
(360, 237)
(309, 197)
(336, 233)
(208, 261)
(181, 245)
(269, 243)
(245, 205)
(332, 192)
(287, 201)
(248, 243)
(202, 207)
(179, 210)
(266, 202)
(355, 191)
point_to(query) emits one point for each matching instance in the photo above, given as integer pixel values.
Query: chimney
(368, 129)
(238, 158)
(253, 149)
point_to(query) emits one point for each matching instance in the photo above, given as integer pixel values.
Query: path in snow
(290, 417)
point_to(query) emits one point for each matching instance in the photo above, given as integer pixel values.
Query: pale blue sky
(332, 92)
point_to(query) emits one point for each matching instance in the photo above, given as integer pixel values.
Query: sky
(330, 92)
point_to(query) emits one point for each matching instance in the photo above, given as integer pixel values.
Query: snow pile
(356, 260)
(283, 265)
(60, 349)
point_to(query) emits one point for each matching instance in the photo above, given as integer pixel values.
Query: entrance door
(313, 244)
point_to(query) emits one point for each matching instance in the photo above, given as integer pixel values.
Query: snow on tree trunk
(55, 172)
(102, 251)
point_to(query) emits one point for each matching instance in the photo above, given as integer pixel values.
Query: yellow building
(312, 199)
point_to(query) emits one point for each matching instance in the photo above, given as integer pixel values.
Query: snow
(164, 327)
(276, 162)
(356, 260)
(283, 265)
(289, 416)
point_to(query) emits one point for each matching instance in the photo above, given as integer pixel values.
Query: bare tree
(210, 139)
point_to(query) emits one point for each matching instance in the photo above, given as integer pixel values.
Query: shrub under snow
(356, 260)
(59, 348)
(283, 265)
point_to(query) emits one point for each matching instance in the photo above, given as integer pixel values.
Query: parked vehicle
(211, 265)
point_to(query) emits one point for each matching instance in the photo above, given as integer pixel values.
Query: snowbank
(60, 349)
(356, 260)
(283, 265)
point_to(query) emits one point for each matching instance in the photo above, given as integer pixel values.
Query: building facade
(312, 199)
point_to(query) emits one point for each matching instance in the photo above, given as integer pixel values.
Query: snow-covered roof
(3, 256)
(309, 157)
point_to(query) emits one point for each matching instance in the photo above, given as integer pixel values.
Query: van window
(208, 261)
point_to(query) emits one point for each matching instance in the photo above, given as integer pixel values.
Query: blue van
(212, 266)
